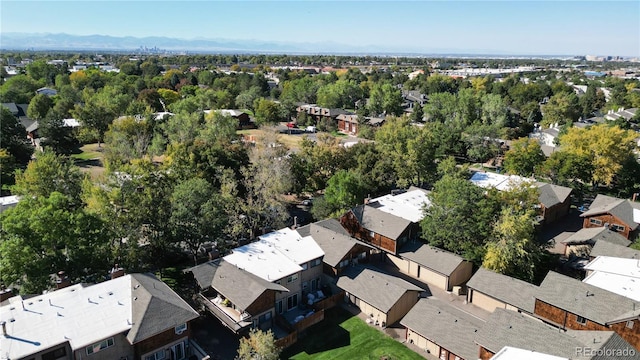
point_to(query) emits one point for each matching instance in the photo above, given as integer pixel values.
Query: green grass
(88, 152)
(343, 336)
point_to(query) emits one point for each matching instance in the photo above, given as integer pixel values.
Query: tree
(39, 106)
(344, 190)
(47, 174)
(55, 135)
(197, 214)
(385, 98)
(100, 109)
(13, 140)
(260, 345)
(523, 156)
(608, 147)
(43, 235)
(561, 108)
(459, 218)
(513, 250)
(418, 113)
(267, 112)
(127, 139)
(247, 98)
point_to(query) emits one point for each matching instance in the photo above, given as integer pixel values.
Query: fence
(329, 302)
(310, 320)
(287, 341)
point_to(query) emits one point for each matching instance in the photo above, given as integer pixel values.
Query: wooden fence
(287, 341)
(309, 320)
(329, 302)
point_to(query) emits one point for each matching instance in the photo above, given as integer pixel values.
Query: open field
(344, 336)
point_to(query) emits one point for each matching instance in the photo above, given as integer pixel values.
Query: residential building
(442, 330)
(489, 290)
(554, 200)
(606, 248)
(385, 298)
(387, 222)
(134, 316)
(239, 299)
(509, 328)
(319, 114)
(285, 258)
(584, 240)
(340, 249)
(244, 121)
(433, 266)
(617, 275)
(619, 215)
(569, 303)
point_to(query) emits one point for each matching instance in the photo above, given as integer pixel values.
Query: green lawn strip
(342, 336)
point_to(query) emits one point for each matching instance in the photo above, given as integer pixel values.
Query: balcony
(229, 317)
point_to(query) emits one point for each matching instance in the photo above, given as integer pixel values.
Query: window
(595, 222)
(316, 262)
(305, 285)
(279, 306)
(343, 263)
(181, 328)
(371, 234)
(581, 320)
(362, 255)
(159, 355)
(91, 349)
(305, 266)
(292, 278)
(178, 351)
(292, 301)
(616, 227)
(630, 324)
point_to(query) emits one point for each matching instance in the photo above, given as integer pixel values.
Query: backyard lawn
(344, 336)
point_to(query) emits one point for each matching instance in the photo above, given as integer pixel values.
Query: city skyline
(473, 27)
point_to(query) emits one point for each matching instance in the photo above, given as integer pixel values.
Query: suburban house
(582, 242)
(547, 137)
(569, 303)
(348, 123)
(244, 121)
(554, 200)
(626, 114)
(285, 258)
(431, 265)
(489, 290)
(319, 114)
(385, 298)
(387, 222)
(442, 330)
(606, 248)
(620, 276)
(620, 215)
(340, 249)
(20, 112)
(239, 299)
(134, 316)
(509, 328)
(412, 99)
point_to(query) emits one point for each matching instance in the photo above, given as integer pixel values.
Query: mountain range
(67, 42)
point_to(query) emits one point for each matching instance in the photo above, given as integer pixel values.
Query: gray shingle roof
(433, 258)
(594, 235)
(239, 286)
(374, 287)
(586, 300)
(620, 208)
(551, 195)
(335, 245)
(380, 222)
(445, 325)
(331, 224)
(509, 328)
(512, 291)
(605, 248)
(155, 308)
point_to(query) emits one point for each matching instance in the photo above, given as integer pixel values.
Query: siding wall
(607, 218)
(161, 340)
(461, 274)
(121, 348)
(351, 224)
(484, 301)
(485, 354)
(423, 343)
(402, 307)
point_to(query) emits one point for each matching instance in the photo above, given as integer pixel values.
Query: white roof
(71, 122)
(276, 255)
(501, 182)
(230, 112)
(407, 205)
(160, 115)
(615, 265)
(80, 315)
(617, 275)
(511, 353)
(9, 200)
(636, 216)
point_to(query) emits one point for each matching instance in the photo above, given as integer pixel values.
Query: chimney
(366, 200)
(5, 293)
(116, 272)
(4, 327)
(635, 197)
(63, 280)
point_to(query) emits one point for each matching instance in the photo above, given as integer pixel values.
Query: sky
(481, 27)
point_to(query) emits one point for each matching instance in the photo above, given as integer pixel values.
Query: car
(310, 129)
